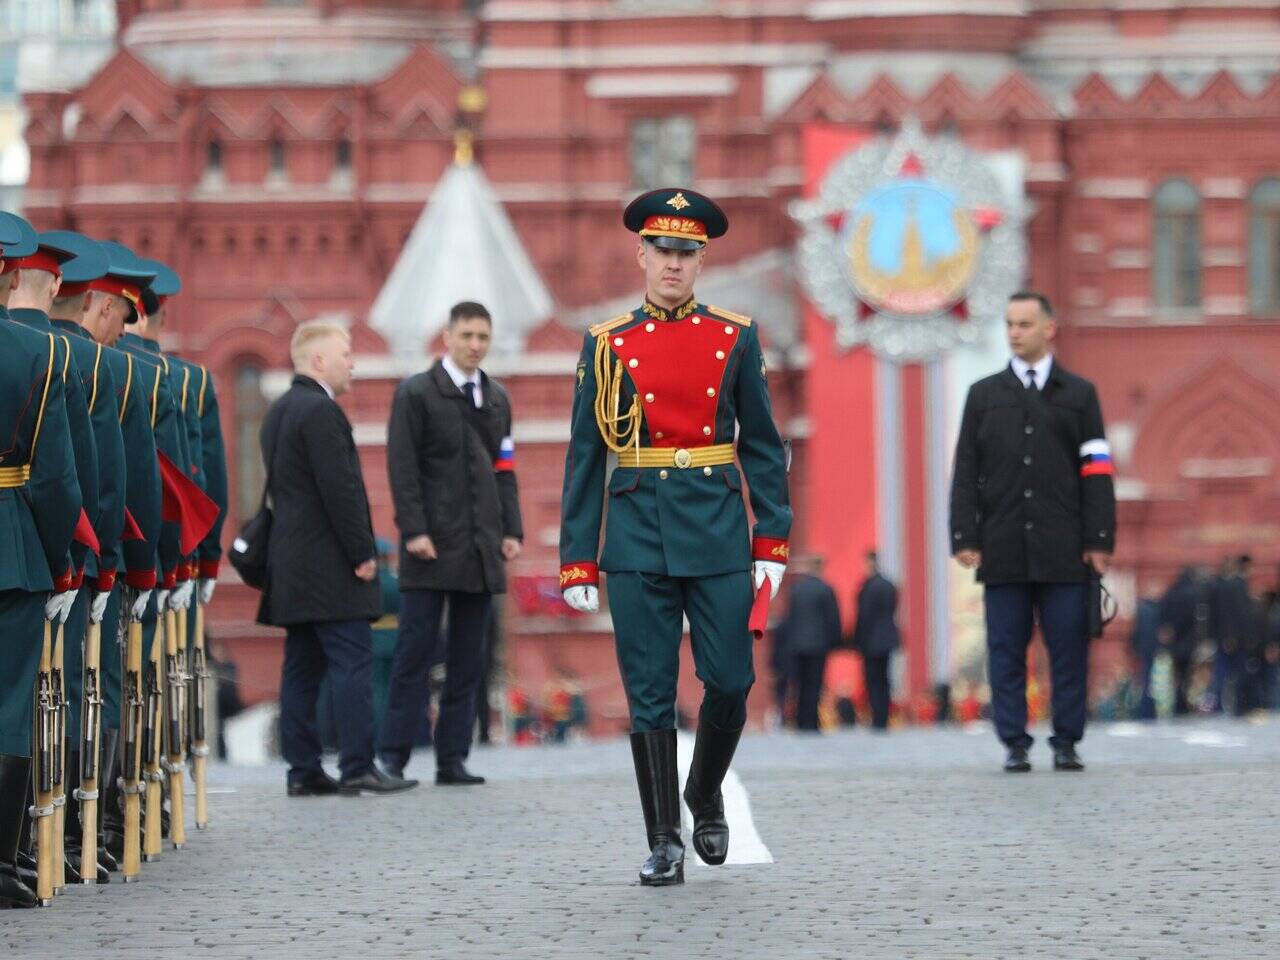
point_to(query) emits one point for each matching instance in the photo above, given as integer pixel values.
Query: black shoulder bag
(248, 553)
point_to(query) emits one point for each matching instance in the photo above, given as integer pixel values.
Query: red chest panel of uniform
(678, 368)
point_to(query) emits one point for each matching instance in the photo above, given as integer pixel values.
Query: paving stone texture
(906, 845)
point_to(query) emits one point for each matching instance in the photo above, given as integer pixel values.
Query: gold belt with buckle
(682, 458)
(11, 477)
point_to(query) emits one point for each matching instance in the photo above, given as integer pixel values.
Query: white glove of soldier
(767, 569)
(98, 606)
(58, 607)
(206, 591)
(180, 597)
(584, 599)
(162, 601)
(140, 604)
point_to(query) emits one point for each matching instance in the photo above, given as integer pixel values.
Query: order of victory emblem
(911, 245)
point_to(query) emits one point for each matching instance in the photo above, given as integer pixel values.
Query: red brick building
(278, 153)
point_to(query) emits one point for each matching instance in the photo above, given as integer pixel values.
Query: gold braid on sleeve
(619, 430)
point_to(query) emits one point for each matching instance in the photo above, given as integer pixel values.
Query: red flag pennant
(131, 529)
(185, 504)
(84, 533)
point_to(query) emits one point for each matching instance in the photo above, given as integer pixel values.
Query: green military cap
(127, 276)
(166, 284)
(84, 259)
(17, 237)
(675, 218)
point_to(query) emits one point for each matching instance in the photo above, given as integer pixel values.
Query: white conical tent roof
(463, 247)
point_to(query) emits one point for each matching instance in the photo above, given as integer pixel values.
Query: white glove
(583, 598)
(98, 606)
(206, 591)
(162, 601)
(762, 569)
(58, 607)
(140, 604)
(180, 597)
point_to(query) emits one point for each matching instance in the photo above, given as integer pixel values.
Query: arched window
(1264, 247)
(251, 408)
(213, 158)
(275, 159)
(1176, 264)
(342, 155)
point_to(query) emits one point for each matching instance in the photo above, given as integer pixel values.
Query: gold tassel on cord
(619, 430)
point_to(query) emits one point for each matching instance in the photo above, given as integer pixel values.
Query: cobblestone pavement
(905, 845)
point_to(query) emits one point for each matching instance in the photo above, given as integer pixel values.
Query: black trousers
(420, 616)
(1011, 609)
(875, 674)
(345, 649)
(809, 670)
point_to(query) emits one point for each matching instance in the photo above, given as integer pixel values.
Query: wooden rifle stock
(90, 727)
(175, 764)
(199, 743)
(131, 764)
(151, 735)
(42, 811)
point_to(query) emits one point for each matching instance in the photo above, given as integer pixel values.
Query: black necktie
(469, 389)
(1031, 379)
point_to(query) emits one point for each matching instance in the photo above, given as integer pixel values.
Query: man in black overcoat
(809, 631)
(451, 462)
(1033, 509)
(322, 572)
(875, 636)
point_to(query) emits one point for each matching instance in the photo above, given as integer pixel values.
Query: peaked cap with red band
(675, 218)
(18, 239)
(84, 259)
(127, 276)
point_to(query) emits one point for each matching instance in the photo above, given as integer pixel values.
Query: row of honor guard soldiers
(112, 495)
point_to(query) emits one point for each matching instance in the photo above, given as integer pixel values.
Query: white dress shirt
(459, 378)
(1041, 367)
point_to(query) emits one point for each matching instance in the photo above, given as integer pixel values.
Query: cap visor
(675, 243)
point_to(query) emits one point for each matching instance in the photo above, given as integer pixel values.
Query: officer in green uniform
(39, 506)
(89, 262)
(102, 311)
(659, 394)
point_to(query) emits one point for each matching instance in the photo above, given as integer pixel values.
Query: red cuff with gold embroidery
(208, 569)
(63, 583)
(78, 580)
(106, 581)
(141, 579)
(170, 579)
(579, 575)
(768, 548)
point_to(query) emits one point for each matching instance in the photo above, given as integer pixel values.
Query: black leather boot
(72, 847)
(110, 809)
(15, 774)
(108, 795)
(654, 753)
(712, 754)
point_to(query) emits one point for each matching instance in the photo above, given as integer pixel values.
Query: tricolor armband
(506, 461)
(1095, 459)
(579, 575)
(771, 549)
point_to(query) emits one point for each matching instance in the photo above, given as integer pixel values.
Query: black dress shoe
(72, 859)
(456, 774)
(374, 781)
(1017, 761)
(14, 894)
(314, 785)
(1066, 758)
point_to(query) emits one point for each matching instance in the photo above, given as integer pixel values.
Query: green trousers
(77, 626)
(111, 659)
(21, 634)
(648, 621)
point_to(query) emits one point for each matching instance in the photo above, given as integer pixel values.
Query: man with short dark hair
(451, 462)
(1033, 509)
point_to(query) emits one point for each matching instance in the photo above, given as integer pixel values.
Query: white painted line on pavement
(1212, 738)
(745, 845)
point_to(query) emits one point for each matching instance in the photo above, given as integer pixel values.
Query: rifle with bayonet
(59, 687)
(175, 760)
(90, 725)
(199, 741)
(42, 809)
(132, 704)
(151, 751)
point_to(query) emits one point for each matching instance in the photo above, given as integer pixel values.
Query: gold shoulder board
(608, 325)
(730, 315)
